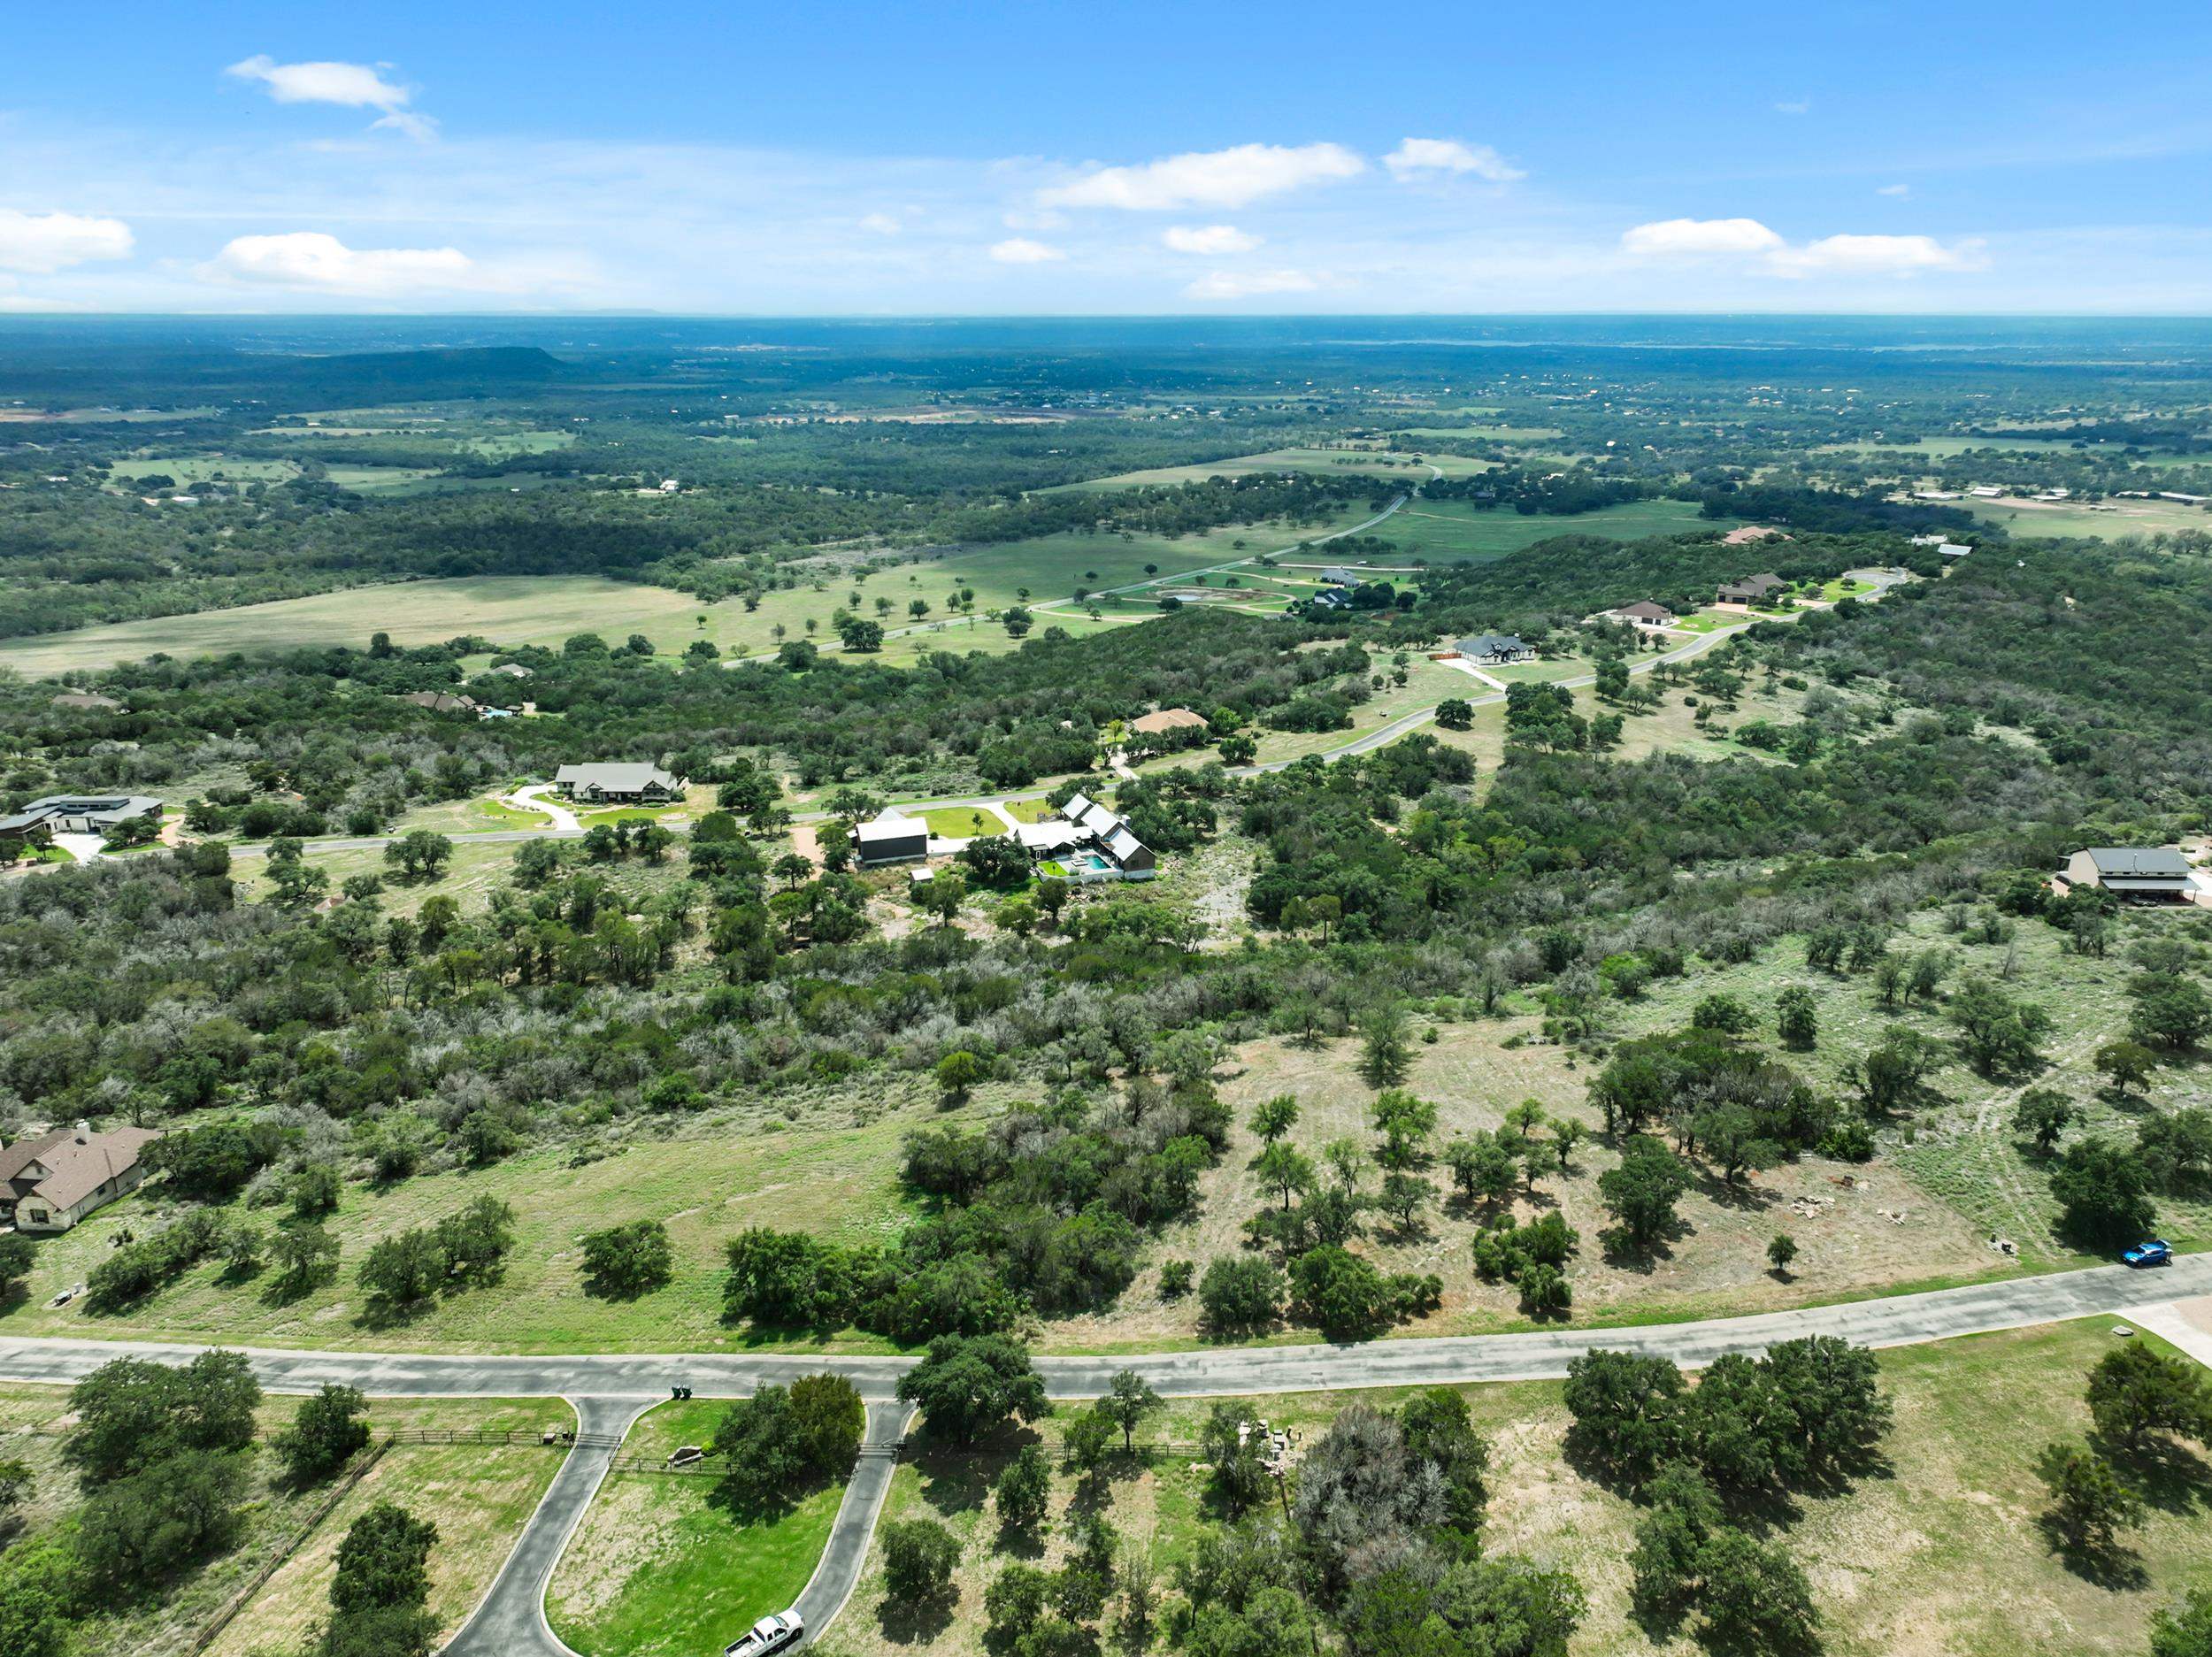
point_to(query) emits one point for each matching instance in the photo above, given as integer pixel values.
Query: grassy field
(2108, 521)
(1444, 532)
(1323, 462)
(190, 469)
(546, 610)
(826, 1164)
(512, 610)
(1939, 1554)
(478, 1495)
(657, 1569)
(477, 869)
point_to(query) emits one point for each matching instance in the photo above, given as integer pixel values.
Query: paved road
(510, 1622)
(846, 1551)
(1895, 1321)
(611, 1391)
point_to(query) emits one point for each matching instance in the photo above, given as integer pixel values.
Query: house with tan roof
(49, 1182)
(1167, 719)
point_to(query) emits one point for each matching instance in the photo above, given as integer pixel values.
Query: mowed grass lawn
(1939, 1554)
(658, 1569)
(834, 1175)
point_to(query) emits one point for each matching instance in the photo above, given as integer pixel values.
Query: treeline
(1528, 490)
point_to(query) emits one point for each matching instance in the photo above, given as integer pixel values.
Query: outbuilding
(890, 840)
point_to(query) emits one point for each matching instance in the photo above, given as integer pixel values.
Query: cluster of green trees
(164, 1459)
(2142, 1405)
(1046, 1209)
(1808, 1414)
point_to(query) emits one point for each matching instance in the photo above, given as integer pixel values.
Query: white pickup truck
(778, 1633)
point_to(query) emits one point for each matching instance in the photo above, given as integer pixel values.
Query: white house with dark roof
(1103, 847)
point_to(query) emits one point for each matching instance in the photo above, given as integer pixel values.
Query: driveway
(511, 1619)
(539, 797)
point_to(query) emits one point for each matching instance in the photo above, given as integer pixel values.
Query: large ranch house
(617, 785)
(1083, 841)
(49, 1182)
(115, 817)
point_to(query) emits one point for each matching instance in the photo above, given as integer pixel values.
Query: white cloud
(1893, 190)
(1699, 239)
(350, 86)
(1249, 284)
(1415, 156)
(1022, 250)
(882, 224)
(1749, 243)
(1876, 255)
(1796, 106)
(312, 260)
(1217, 178)
(1210, 239)
(52, 242)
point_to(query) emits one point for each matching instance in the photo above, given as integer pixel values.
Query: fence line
(239, 1601)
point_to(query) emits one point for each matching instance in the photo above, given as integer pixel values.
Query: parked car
(776, 1633)
(2158, 1252)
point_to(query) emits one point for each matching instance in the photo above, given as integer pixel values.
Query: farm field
(658, 1569)
(1940, 1554)
(1444, 532)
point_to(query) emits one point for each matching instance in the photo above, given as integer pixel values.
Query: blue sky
(1062, 159)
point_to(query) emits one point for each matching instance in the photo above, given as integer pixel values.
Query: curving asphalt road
(511, 1619)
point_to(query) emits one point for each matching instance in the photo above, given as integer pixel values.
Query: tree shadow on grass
(2170, 1477)
(2117, 1569)
(958, 1478)
(902, 1625)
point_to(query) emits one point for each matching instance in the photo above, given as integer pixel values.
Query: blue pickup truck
(2157, 1253)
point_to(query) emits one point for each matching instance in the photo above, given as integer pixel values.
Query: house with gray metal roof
(1494, 646)
(618, 784)
(2134, 874)
(79, 814)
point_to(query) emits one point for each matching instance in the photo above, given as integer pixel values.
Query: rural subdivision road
(610, 1391)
